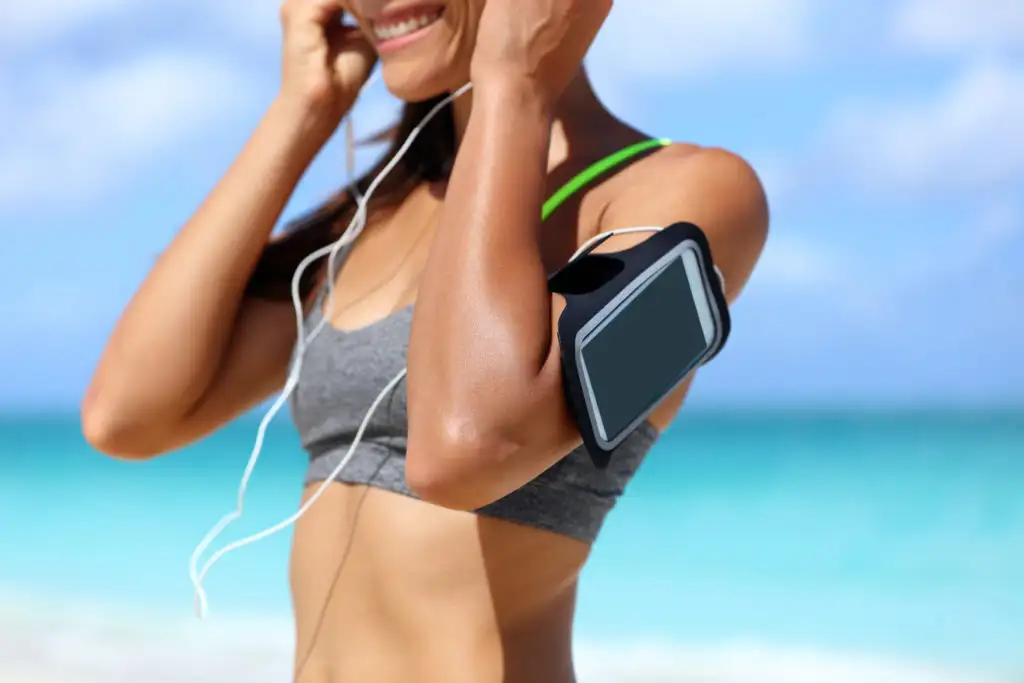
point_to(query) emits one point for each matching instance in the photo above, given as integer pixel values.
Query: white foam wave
(756, 663)
(42, 643)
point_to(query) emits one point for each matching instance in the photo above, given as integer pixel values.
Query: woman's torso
(387, 588)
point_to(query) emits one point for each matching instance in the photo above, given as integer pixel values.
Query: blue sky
(888, 135)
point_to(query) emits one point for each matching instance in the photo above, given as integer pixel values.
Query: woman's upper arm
(254, 366)
(718, 191)
(714, 189)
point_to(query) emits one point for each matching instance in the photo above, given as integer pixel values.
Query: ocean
(751, 547)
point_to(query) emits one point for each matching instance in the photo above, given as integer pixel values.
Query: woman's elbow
(104, 428)
(451, 471)
(436, 486)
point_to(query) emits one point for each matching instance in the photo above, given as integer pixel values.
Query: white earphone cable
(355, 227)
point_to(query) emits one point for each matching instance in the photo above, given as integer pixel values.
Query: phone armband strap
(599, 286)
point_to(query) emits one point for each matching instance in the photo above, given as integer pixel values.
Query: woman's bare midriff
(389, 589)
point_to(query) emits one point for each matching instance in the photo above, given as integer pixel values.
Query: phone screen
(649, 345)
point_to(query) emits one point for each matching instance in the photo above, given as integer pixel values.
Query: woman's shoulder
(711, 187)
(685, 178)
(678, 163)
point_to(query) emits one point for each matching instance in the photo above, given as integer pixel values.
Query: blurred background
(839, 502)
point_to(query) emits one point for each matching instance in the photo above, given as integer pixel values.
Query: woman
(450, 550)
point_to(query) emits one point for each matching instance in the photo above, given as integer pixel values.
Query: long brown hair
(428, 159)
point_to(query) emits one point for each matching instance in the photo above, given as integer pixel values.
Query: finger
(345, 38)
(350, 50)
(329, 10)
(319, 11)
(338, 33)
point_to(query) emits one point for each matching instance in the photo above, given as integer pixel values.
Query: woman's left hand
(539, 42)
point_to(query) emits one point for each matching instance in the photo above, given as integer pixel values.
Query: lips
(405, 22)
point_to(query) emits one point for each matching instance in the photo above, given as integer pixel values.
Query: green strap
(596, 169)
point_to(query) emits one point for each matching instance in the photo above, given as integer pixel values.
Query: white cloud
(871, 289)
(72, 127)
(744, 663)
(89, 126)
(791, 262)
(36, 25)
(682, 36)
(84, 644)
(967, 138)
(807, 268)
(255, 19)
(996, 228)
(656, 40)
(964, 141)
(54, 308)
(655, 43)
(30, 24)
(76, 130)
(958, 26)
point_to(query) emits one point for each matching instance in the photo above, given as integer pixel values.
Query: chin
(419, 81)
(425, 50)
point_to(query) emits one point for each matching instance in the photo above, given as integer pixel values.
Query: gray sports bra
(343, 372)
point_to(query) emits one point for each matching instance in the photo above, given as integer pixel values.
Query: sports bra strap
(596, 169)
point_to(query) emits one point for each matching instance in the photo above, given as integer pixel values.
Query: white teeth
(403, 28)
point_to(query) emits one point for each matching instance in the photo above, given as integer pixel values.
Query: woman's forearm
(177, 325)
(482, 330)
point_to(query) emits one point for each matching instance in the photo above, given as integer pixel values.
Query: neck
(578, 107)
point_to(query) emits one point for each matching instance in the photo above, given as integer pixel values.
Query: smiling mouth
(393, 28)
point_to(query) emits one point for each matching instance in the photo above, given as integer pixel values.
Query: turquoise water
(900, 534)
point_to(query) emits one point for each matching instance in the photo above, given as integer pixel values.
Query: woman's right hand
(325, 63)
